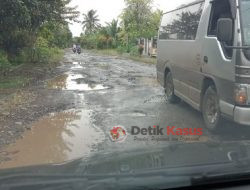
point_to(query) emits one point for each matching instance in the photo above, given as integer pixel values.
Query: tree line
(33, 30)
(137, 20)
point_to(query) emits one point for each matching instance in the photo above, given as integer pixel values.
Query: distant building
(150, 46)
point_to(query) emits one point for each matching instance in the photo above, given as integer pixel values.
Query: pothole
(77, 67)
(55, 138)
(78, 82)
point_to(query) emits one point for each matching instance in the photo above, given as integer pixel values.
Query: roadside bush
(57, 55)
(42, 43)
(134, 51)
(42, 53)
(104, 42)
(24, 56)
(89, 41)
(47, 55)
(101, 42)
(122, 49)
(4, 63)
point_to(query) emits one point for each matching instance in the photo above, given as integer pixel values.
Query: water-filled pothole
(77, 82)
(55, 138)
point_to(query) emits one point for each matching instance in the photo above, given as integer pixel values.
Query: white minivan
(204, 58)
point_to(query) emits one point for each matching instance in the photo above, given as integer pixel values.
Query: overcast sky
(109, 9)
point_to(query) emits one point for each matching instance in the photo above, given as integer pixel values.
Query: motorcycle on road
(79, 50)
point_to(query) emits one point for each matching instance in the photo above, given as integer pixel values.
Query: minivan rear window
(181, 24)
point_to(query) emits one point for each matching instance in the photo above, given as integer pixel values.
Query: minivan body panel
(191, 62)
(181, 67)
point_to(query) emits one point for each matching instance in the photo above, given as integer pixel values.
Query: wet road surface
(105, 92)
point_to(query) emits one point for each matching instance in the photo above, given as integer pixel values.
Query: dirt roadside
(19, 106)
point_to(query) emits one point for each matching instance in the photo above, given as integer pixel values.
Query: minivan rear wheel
(169, 89)
(211, 109)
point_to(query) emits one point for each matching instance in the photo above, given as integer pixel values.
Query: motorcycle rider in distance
(78, 48)
(74, 48)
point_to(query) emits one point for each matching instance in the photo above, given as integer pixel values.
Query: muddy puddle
(77, 67)
(78, 82)
(55, 138)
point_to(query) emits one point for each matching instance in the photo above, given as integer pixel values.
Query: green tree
(136, 17)
(113, 30)
(139, 20)
(20, 20)
(90, 22)
(104, 38)
(57, 34)
(155, 23)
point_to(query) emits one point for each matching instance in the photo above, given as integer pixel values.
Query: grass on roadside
(18, 72)
(114, 52)
(111, 52)
(14, 82)
(144, 59)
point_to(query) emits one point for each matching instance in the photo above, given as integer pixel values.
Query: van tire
(169, 90)
(211, 109)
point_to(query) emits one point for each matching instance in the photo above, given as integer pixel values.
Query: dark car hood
(158, 168)
(132, 161)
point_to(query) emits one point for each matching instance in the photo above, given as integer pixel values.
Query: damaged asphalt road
(74, 111)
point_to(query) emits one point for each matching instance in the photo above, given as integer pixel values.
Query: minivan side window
(181, 24)
(220, 9)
